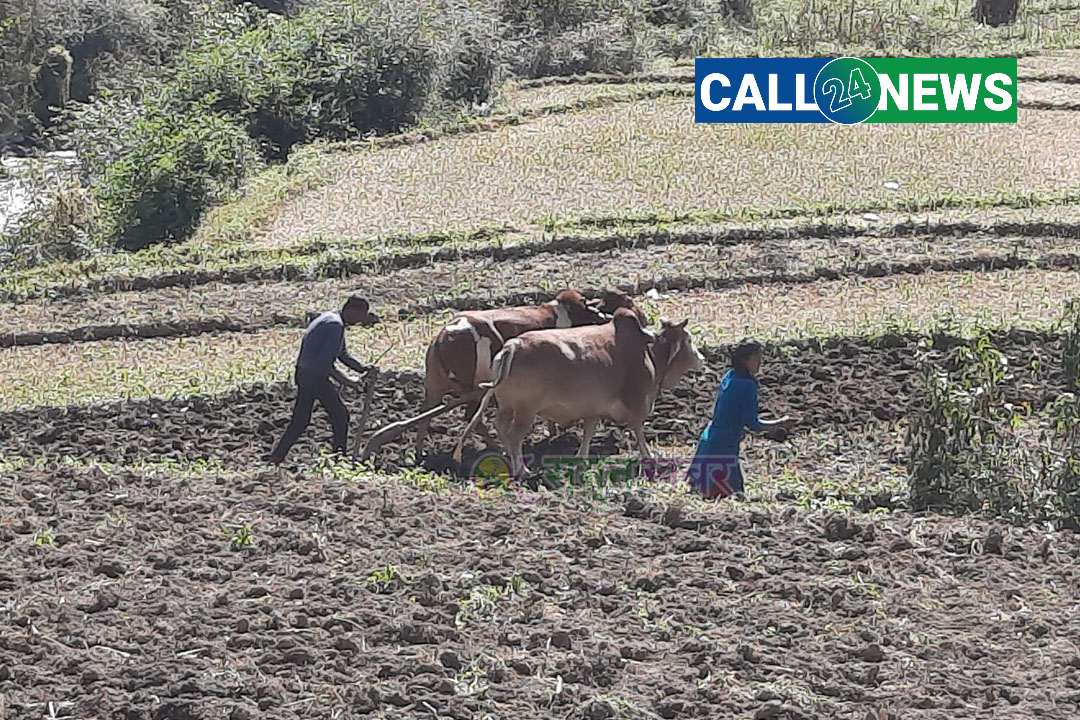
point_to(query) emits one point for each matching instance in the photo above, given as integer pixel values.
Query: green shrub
(971, 449)
(568, 37)
(1069, 327)
(599, 47)
(59, 223)
(955, 440)
(100, 36)
(334, 71)
(178, 165)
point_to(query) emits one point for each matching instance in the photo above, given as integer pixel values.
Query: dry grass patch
(518, 101)
(254, 304)
(58, 375)
(113, 370)
(650, 156)
(1062, 63)
(1020, 298)
(1051, 93)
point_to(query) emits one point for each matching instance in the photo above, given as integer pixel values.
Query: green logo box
(945, 90)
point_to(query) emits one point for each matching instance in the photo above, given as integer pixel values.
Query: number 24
(858, 85)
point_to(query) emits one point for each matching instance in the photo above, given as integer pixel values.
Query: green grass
(645, 255)
(322, 256)
(518, 101)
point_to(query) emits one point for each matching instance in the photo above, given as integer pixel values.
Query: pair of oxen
(567, 360)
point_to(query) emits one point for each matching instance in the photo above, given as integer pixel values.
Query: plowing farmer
(324, 344)
(715, 470)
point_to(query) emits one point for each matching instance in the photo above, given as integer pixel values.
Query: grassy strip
(678, 269)
(670, 78)
(882, 28)
(227, 240)
(161, 268)
(260, 198)
(919, 204)
(66, 374)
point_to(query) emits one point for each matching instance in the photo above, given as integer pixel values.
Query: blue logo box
(757, 90)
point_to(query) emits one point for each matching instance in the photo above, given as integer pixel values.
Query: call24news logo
(849, 91)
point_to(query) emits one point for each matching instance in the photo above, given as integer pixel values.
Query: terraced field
(154, 569)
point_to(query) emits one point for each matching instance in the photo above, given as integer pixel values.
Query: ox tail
(500, 369)
(500, 365)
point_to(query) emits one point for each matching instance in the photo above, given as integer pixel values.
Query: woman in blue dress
(715, 470)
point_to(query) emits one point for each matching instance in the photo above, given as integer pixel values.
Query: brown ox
(612, 371)
(613, 298)
(460, 356)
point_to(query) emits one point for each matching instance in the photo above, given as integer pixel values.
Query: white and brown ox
(613, 371)
(460, 356)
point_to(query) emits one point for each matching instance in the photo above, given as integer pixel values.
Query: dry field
(154, 569)
(649, 157)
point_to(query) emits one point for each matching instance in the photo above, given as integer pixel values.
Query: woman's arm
(754, 422)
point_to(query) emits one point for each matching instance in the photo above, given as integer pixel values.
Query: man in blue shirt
(715, 470)
(322, 346)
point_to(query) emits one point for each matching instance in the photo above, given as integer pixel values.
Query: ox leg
(551, 428)
(431, 399)
(512, 431)
(518, 432)
(481, 427)
(643, 447)
(586, 437)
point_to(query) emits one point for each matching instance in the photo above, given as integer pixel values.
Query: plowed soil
(137, 606)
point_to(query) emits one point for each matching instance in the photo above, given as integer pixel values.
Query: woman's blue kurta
(736, 408)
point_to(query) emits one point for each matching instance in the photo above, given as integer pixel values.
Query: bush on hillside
(337, 70)
(98, 35)
(972, 447)
(178, 165)
(328, 69)
(568, 37)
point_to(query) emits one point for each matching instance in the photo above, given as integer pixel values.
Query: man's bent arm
(349, 360)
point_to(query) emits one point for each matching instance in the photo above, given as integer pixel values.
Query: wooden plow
(388, 432)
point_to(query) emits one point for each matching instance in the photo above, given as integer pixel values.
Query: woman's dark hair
(745, 350)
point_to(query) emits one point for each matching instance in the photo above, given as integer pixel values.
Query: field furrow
(843, 383)
(373, 598)
(104, 370)
(1056, 214)
(637, 262)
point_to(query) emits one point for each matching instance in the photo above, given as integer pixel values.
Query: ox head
(573, 310)
(683, 357)
(612, 299)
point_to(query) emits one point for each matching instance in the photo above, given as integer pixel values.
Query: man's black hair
(746, 349)
(356, 301)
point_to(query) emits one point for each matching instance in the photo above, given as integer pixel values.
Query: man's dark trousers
(309, 388)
